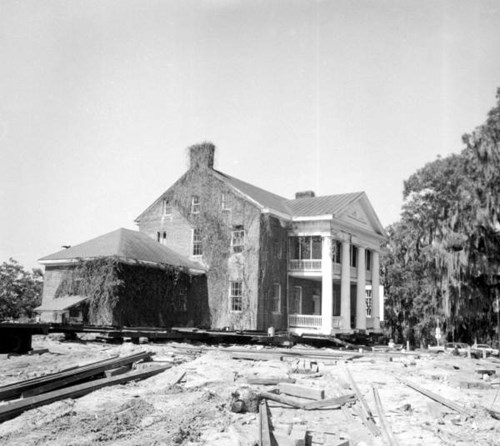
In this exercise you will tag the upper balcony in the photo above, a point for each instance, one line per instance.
(306, 258)
(313, 267)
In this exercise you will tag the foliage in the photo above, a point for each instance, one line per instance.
(443, 261)
(98, 279)
(20, 290)
(133, 295)
(215, 225)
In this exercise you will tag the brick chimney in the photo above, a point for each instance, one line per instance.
(305, 194)
(201, 156)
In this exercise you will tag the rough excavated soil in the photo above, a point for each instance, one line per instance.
(196, 410)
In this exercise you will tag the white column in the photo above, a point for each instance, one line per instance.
(375, 266)
(345, 287)
(326, 285)
(361, 291)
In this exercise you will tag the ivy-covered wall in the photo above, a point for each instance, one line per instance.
(123, 294)
(273, 269)
(221, 210)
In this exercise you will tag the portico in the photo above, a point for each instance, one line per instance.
(332, 272)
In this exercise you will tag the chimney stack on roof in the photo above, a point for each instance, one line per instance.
(305, 194)
(202, 156)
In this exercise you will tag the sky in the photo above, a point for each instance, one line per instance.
(100, 99)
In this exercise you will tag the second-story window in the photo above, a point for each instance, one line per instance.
(305, 248)
(167, 209)
(368, 254)
(336, 251)
(195, 204)
(225, 202)
(238, 239)
(197, 243)
(354, 256)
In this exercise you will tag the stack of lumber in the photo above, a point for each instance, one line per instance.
(72, 383)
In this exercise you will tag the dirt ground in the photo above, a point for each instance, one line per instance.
(196, 411)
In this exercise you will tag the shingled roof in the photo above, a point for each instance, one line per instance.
(127, 245)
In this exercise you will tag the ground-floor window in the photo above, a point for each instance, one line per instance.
(197, 243)
(297, 299)
(236, 296)
(276, 298)
(369, 303)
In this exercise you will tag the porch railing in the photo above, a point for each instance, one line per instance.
(312, 321)
(305, 265)
(304, 320)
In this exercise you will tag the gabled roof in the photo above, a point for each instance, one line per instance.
(328, 204)
(127, 245)
(262, 197)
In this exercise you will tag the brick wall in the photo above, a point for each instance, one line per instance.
(226, 266)
(273, 269)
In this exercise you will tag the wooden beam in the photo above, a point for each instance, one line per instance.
(61, 379)
(436, 397)
(264, 430)
(253, 356)
(331, 402)
(297, 404)
(365, 412)
(269, 381)
(389, 436)
(301, 391)
(15, 408)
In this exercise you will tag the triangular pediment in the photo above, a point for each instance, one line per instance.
(361, 214)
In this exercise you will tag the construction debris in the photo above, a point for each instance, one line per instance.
(61, 379)
(387, 432)
(436, 397)
(15, 408)
(264, 428)
(218, 401)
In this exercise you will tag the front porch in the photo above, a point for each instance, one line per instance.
(333, 286)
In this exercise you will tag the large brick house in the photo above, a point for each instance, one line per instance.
(306, 265)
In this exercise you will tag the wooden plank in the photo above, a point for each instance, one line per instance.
(256, 356)
(58, 380)
(297, 404)
(365, 412)
(435, 397)
(264, 430)
(389, 436)
(283, 400)
(117, 371)
(15, 408)
(331, 402)
(301, 391)
(270, 381)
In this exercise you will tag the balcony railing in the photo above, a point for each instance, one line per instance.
(305, 265)
(316, 264)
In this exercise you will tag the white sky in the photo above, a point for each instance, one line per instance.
(99, 99)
